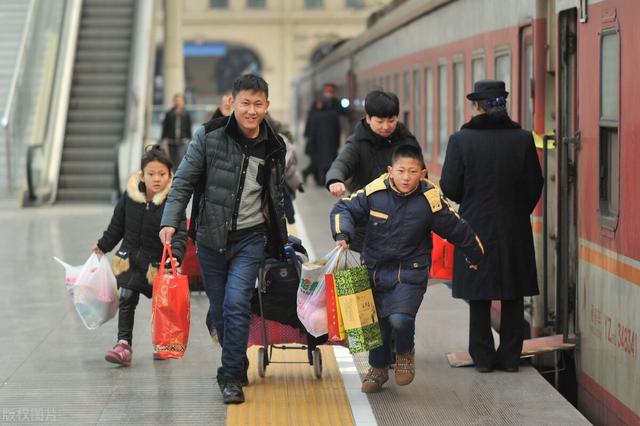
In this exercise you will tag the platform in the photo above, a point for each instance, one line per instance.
(52, 369)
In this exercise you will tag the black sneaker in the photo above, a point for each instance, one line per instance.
(232, 393)
(244, 378)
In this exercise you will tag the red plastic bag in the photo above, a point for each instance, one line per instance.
(334, 315)
(190, 265)
(170, 311)
(441, 259)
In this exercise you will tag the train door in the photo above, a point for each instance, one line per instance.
(568, 149)
(526, 77)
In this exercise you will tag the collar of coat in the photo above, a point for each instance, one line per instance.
(363, 132)
(488, 121)
(135, 192)
(275, 145)
(384, 183)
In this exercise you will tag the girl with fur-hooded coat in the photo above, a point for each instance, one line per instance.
(136, 222)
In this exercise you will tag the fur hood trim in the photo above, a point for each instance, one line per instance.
(134, 192)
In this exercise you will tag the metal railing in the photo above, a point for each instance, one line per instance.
(199, 113)
(17, 80)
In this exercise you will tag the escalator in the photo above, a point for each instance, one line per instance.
(96, 116)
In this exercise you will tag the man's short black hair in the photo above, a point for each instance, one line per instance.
(381, 104)
(250, 82)
(408, 151)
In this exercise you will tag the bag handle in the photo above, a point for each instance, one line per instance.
(165, 250)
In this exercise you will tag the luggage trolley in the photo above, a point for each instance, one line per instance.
(286, 275)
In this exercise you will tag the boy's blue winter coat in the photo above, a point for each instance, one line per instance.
(397, 249)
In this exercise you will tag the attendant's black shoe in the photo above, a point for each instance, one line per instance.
(483, 369)
(508, 369)
(232, 393)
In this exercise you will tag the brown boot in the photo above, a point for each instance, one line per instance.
(375, 378)
(405, 368)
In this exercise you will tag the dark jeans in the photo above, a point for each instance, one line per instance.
(229, 280)
(126, 313)
(481, 344)
(403, 327)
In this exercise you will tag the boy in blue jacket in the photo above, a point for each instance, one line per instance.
(401, 208)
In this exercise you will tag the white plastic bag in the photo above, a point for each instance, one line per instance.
(70, 274)
(311, 302)
(94, 290)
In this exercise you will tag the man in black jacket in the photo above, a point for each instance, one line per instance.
(492, 170)
(176, 131)
(367, 153)
(238, 163)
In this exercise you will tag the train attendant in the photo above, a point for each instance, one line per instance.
(400, 210)
(491, 169)
(367, 153)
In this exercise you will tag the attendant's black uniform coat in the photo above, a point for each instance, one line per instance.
(492, 170)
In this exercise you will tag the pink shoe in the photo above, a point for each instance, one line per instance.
(120, 354)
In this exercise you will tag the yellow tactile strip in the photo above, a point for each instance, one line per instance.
(290, 394)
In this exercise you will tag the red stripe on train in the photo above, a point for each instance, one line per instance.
(600, 406)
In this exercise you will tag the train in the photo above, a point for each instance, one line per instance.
(569, 67)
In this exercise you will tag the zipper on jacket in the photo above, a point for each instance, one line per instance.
(236, 202)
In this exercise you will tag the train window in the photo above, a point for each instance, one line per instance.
(428, 118)
(443, 130)
(256, 4)
(354, 4)
(396, 84)
(406, 100)
(416, 102)
(218, 4)
(609, 119)
(458, 95)
(503, 71)
(387, 84)
(477, 69)
(313, 4)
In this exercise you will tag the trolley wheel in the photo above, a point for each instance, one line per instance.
(262, 361)
(317, 363)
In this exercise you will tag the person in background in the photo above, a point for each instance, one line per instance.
(367, 153)
(400, 210)
(322, 132)
(292, 180)
(492, 170)
(225, 108)
(136, 222)
(236, 167)
(176, 130)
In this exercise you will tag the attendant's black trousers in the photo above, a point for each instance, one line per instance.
(481, 344)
